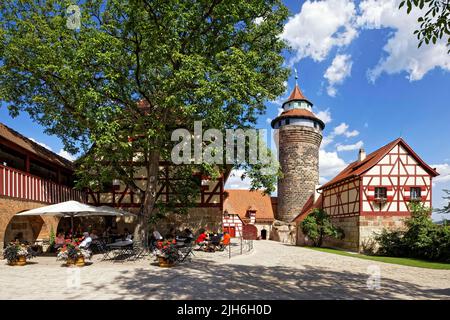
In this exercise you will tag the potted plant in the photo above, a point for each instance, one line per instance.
(73, 254)
(167, 253)
(16, 254)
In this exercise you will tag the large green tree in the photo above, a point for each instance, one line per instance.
(118, 83)
(434, 24)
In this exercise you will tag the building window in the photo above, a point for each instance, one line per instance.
(287, 121)
(380, 193)
(416, 193)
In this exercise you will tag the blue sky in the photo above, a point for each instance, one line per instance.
(359, 64)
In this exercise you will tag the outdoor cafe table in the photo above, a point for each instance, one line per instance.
(122, 246)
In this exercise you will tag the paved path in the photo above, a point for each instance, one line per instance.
(272, 271)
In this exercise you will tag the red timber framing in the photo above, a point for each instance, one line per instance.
(24, 186)
(398, 173)
(211, 194)
(342, 200)
(395, 167)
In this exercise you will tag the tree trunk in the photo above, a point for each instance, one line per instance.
(148, 199)
(320, 241)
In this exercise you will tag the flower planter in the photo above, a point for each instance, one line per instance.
(79, 262)
(21, 261)
(163, 262)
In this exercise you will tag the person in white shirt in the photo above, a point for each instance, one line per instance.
(87, 240)
(157, 235)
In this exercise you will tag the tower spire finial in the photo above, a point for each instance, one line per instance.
(296, 76)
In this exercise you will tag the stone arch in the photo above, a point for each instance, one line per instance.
(40, 226)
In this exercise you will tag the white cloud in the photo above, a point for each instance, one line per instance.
(41, 144)
(349, 147)
(325, 116)
(401, 48)
(326, 140)
(268, 120)
(63, 153)
(330, 164)
(444, 173)
(342, 129)
(336, 73)
(234, 181)
(320, 26)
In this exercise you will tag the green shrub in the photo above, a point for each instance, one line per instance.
(421, 239)
(317, 226)
(391, 243)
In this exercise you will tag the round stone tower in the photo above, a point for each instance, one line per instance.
(299, 134)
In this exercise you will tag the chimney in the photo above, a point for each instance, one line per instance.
(362, 155)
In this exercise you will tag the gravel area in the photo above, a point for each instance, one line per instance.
(271, 271)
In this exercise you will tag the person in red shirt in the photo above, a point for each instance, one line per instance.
(202, 237)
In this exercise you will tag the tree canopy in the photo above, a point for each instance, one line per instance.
(131, 72)
(434, 23)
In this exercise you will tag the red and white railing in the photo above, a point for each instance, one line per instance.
(18, 184)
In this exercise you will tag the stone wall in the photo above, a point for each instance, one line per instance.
(34, 227)
(370, 225)
(265, 226)
(350, 225)
(194, 219)
(299, 160)
(284, 232)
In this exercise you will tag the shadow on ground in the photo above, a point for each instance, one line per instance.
(208, 280)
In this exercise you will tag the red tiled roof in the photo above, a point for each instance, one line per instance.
(298, 113)
(357, 168)
(239, 201)
(34, 148)
(296, 94)
(308, 207)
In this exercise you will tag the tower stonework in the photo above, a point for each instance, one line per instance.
(299, 134)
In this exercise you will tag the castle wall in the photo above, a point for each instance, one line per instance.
(369, 226)
(32, 228)
(299, 160)
(350, 226)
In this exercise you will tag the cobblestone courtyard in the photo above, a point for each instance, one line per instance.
(271, 271)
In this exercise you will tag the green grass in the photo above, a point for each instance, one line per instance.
(410, 262)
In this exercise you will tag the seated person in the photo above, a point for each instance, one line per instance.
(107, 232)
(156, 235)
(59, 240)
(127, 235)
(202, 239)
(93, 235)
(187, 233)
(86, 242)
(226, 239)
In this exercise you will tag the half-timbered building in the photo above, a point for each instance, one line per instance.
(243, 207)
(374, 192)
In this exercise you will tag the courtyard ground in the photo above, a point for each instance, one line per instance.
(271, 271)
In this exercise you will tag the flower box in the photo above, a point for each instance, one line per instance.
(164, 262)
(16, 254)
